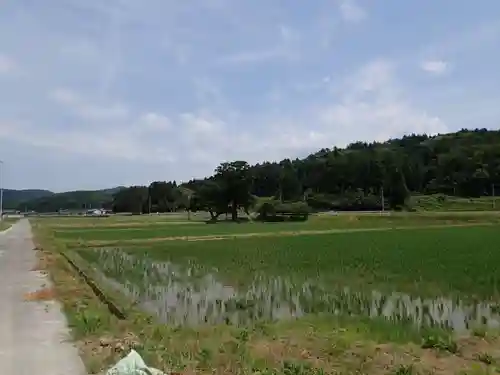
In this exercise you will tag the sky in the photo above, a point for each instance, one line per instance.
(101, 93)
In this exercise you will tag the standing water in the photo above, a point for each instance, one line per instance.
(189, 295)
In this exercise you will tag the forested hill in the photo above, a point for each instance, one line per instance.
(13, 198)
(51, 202)
(466, 163)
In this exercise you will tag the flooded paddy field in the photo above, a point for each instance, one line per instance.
(445, 278)
(420, 300)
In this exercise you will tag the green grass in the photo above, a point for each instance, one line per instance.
(104, 233)
(422, 262)
(441, 202)
(460, 261)
(440, 260)
(6, 223)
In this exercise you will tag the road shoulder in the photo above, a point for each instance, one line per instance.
(34, 331)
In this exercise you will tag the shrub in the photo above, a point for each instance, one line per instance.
(277, 211)
(349, 201)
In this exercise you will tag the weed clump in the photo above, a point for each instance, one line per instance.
(486, 358)
(439, 343)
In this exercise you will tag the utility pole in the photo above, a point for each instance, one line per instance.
(1, 190)
(382, 198)
(493, 195)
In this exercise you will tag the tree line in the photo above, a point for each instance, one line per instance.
(362, 176)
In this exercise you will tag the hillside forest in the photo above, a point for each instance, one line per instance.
(463, 164)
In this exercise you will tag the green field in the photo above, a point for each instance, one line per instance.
(317, 223)
(440, 202)
(322, 293)
(442, 260)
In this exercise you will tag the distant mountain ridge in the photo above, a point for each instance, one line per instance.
(12, 198)
(48, 201)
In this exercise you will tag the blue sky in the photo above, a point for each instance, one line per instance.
(99, 93)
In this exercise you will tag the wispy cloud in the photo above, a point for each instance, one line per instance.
(87, 110)
(436, 67)
(351, 11)
(122, 145)
(372, 104)
(257, 56)
(155, 122)
(113, 53)
(7, 64)
(286, 46)
(467, 40)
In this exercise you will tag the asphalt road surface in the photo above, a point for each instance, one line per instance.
(34, 338)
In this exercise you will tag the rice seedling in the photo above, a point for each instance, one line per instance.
(190, 294)
(104, 233)
(439, 263)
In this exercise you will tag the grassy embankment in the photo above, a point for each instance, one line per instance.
(6, 223)
(440, 202)
(310, 270)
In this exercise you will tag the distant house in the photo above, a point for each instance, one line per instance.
(95, 212)
(10, 213)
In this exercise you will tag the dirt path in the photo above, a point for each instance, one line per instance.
(33, 335)
(221, 237)
(132, 225)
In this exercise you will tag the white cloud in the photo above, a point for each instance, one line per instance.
(81, 49)
(88, 110)
(64, 96)
(122, 144)
(436, 67)
(155, 122)
(351, 11)
(7, 64)
(201, 126)
(289, 35)
(368, 104)
(111, 112)
(286, 47)
(257, 56)
(468, 39)
(373, 106)
(375, 75)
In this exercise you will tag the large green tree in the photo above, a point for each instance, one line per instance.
(235, 181)
(210, 196)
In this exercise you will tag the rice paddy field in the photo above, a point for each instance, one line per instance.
(352, 293)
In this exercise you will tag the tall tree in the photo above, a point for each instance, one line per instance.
(236, 181)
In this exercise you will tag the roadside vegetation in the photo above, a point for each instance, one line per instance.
(6, 223)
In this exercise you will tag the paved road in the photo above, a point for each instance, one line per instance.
(33, 335)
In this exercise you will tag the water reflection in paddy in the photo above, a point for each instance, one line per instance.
(191, 295)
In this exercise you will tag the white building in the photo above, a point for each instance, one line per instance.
(95, 212)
